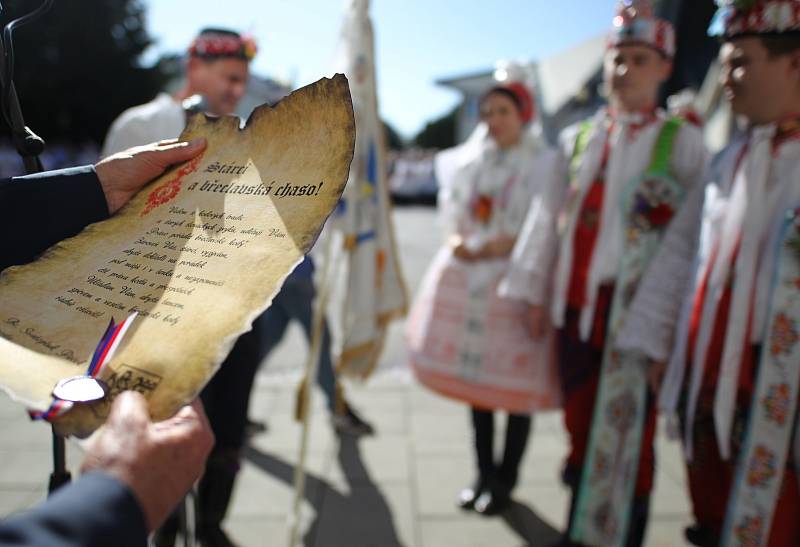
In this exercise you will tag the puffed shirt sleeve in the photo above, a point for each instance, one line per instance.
(536, 249)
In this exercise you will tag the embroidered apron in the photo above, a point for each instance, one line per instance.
(464, 340)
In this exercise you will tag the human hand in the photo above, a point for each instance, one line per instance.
(125, 173)
(460, 250)
(537, 321)
(499, 247)
(160, 461)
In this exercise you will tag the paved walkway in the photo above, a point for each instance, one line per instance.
(396, 488)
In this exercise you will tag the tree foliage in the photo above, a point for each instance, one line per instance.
(440, 133)
(393, 139)
(77, 67)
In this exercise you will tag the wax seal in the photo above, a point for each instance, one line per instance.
(80, 389)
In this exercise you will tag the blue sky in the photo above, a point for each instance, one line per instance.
(417, 41)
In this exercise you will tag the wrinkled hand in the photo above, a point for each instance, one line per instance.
(655, 375)
(159, 461)
(125, 173)
(537, 321)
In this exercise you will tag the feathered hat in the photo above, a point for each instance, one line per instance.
(636, 24)
(742, 17)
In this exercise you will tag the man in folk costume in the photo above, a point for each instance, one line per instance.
(734, 357)
(587, 244)
(217, 71)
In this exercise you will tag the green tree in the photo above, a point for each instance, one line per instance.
(77, 67)
(393, 139)
(440, 133)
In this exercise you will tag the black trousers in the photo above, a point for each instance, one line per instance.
(506, 473)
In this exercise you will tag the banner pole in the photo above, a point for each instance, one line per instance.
(311, 367)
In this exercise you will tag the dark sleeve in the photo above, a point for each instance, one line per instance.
(94, 511)
(37, 211)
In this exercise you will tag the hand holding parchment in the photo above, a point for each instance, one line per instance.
(196, 254)
(125, 173)
(159, 461)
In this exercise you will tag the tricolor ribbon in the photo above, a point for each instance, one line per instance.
(103, 354)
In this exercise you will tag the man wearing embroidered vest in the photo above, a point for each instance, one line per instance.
(722, 299)
(631, 167)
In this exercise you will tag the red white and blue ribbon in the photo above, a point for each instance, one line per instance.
(102, 355)
(108, 345)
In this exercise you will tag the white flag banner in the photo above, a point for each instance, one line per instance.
(376, 291)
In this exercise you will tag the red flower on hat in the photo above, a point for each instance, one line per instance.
(224, 45)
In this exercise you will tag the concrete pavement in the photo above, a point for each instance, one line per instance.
(396, 488)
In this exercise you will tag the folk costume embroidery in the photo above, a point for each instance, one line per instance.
(606, 490)
(466, 342)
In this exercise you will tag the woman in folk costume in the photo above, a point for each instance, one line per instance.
(631, 167)
(465, 341)
(732, 342)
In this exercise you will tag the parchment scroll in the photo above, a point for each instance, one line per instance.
(199, 253)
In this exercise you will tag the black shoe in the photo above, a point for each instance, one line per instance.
(350, 423)
(700, 536)
(468, 496)
(253, 427)
(492, 502)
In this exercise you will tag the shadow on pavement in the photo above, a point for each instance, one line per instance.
(359, 516)
(529, 526)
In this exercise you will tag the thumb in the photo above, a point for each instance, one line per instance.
(129, 411)
(180, 152)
